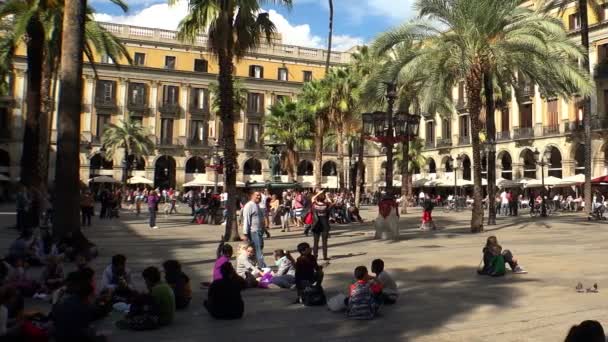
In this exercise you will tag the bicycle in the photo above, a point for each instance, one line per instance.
(451, 206)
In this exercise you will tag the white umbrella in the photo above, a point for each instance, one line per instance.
(139, 180)
(103, 179)
(199, 180)
(238, 184)
(507, 183)
(447, 183)
(580, 178)
(548, 181)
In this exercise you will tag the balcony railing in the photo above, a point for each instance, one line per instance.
(195, 110)
(461, 106)
(196, 142)
(108, 104)
(429, 144)
(166, 141)
(599, 123)
(444, 142)
(503, 136)
(523, 132)
(169, 108)
(464, 140)
(141, 107)
(601, 70)
(256, 145)
(573, 126)
(550, 130)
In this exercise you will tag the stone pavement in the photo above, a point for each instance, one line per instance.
(442, 298)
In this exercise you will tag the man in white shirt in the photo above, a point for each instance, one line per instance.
(265, 196)
(504, 203)
(421, 197)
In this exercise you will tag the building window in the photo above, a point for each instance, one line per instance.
(139, 59)
(137, 94)
(200, 99)
(604, 12)
(255, 103)
(446, 127)
(138, 120)
(170, 62)
(166, 131)
(461, 93)
(525, 116)
(281, 98)
(552, 113)
(200, 65)
(197, 131)
(574, 21)
(253, 134)
(283, 75)
(307, 75)
(464, 126)
(256, 71)
(430, 131)
(103, 121)
(170, 94)
(105, 92)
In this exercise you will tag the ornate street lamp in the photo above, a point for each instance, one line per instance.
(542, 161)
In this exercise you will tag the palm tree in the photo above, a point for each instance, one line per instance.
(67, 217)
(484, 36)
(415, 160)
(234, 27)
(240, 98)
(130, 136)
(581, 6)
(292, 126)
(314, 98)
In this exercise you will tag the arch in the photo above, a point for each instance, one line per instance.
(164, 172)
(329, 169)
(5, 162)
(466, 167)
(528, 162)
(447, 164)
(579, 159)
(137, 164)
(252, 167)
(195, 164)
(506, 162)
(555, 162)
(432, 165)
(98, 163)
(305, 168)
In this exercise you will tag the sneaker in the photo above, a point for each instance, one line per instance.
(519, 270)
(155, 227)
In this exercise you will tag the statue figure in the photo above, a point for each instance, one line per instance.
(275, 163)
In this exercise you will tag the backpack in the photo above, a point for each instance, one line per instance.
(314, 296)
(361, 304)
(497, 266)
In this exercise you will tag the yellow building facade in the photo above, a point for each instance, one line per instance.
(167, 90)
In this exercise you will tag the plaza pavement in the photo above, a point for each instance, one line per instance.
(442, 298)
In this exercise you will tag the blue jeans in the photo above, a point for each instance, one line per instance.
(152, 212)
(257, 238)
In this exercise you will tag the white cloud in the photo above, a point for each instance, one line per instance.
(394, 9)
(168, 17)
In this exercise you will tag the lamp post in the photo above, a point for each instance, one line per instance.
(490, 149)
(215, 157)
(456, 162)
(542, 161)
(390, 129)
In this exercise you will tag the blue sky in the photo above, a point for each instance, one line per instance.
(355, 21)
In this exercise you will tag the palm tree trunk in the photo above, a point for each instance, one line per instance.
(67, 218)
(474, 83)
(405, 176)
(582, 5)
(35, 58)
(227, 115)
(330, 35)
(491, 132)
(319, 151)
(340, 158)
(360, 172)
(44, 129)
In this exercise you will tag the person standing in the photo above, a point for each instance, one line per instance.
(265, 208)
(320, 227)
(421, 198)
(253, 226)
(504, 203)
(23, 205)
(153, 200)
(173, 201)
(86, 207)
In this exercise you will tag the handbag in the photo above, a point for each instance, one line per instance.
(314, 296)
(308, 219)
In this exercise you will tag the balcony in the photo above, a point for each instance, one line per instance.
(444, 142)
(503, 136)
(523, 132)
(461, 106)
(550, 130)
(253, 145)
(253, 113)
(429, 144)
(106, 105)
(464, 140)
(599, 123)
(169, 109)
(166, 142)
(600, 71)
(197, 143)
(195, 110)
(139, 107)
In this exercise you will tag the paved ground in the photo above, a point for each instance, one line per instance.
(442, 299)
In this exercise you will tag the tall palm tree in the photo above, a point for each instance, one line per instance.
(289, 124)
(314, 98)
(415, 160)
(67, 218)
(131, 136)
(488, 36)
(582, 8)
(234, 27)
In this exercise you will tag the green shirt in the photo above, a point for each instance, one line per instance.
(164, 298)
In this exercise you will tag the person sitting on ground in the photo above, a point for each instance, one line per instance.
(52, 276)
(152, 310)
(224, 298)
(45, 246)
(247, 265)
(224, 255)
(23, 248)
(587, 331)
(363, 300)
(20, 279)
(179, 282)
(116, 279)
(308, 272)
(494, 259)
(285, 275)
(10, 329)
(389, 286)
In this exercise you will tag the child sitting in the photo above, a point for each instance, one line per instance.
(116, 279)
(52, 275)
(363, 302)
(247, 265)
(389, 287)
(308, 272)
(285, 275)
(179, 282)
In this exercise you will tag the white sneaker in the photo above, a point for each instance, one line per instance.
(519, 270)
(155, 227)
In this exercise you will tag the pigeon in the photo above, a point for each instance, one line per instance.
(593, 289)
(579, 287)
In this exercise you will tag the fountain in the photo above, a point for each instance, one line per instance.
(274, 163)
